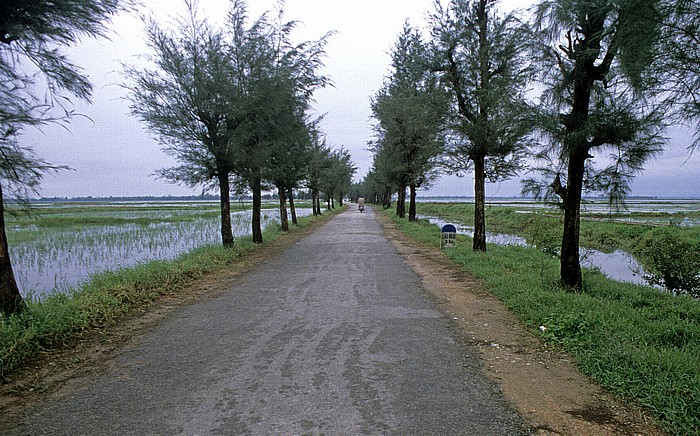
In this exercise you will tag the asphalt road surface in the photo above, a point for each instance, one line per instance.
(334, 336)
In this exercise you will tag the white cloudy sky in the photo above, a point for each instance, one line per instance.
(111, 154)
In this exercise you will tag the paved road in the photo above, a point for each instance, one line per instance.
(335, 336)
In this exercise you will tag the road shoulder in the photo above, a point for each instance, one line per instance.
(544, 385)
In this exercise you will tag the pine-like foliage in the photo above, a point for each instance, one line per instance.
(598, 122)
(36, 82)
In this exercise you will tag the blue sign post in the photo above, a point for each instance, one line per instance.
(448, 236)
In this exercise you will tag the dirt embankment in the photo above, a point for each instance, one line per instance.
(542, 384)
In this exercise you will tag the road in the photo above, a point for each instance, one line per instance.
(333, 336)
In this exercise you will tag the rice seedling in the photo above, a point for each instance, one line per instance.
(62, 247)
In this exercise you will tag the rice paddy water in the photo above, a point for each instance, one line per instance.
(48, 258)
(618, 265)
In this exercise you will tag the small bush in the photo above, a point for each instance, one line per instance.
(672, 260)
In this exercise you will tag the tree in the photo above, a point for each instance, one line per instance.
(185, 99)
(409, 111)
(387, 172)
(318, 165)
(338, 177)
(679, 53)
(280, 80)
(31, 35)
(288, 163)
(594, 57)
(377, 187)
(479, 55)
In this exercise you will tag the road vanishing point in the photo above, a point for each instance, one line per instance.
(333, 336)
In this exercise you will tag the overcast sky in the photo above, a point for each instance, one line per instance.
(111, 154)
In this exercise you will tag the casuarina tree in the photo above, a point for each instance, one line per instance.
(597, 103)
(409, 111)
(32, 34)
(279, 78)
(184, 98)
(678, 58)
(480, 56)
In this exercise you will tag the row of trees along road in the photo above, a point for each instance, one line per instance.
(496, 94)
(230, 104)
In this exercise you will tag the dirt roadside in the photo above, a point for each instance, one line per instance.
(542, 384)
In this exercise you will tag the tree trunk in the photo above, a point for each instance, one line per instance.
(386, 199)
(292, 208)
(225, 202)
(401, 202)
(317, 202)
(328, 202)
(412, 203)
(583, 75)
(479, 205)
(256, 187)
(284, 223)
(10, 298)
(571, 277)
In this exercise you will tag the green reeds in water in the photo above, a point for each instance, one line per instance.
(62, 248)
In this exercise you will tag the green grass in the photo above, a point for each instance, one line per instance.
(106, 297)
(638, 343)
(72, 217)
(544, 226)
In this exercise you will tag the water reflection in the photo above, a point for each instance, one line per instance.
(58, 259)
(618, 265)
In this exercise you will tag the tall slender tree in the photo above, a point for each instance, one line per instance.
(281, 78)
(318, 165)
(410, 112)
(340, 174)
(594, 57)
(480, 56)
(678, 57)
(32, 35)
(184, 99)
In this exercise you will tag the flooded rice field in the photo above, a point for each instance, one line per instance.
(653, 211)
(48, 257)
(618, 265)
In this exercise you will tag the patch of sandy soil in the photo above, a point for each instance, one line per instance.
(542, 384)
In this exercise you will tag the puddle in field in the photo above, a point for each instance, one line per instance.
(60, 259)
(618, 265)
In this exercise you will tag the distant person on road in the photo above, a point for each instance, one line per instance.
(361, 204)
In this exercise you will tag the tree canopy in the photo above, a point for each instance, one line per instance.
(230, 103)
(479, 55)
(409, 110)
(37, 81)
(594, 59)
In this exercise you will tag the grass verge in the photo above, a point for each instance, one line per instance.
(638, 343)
(107, 297)
(544, 227)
